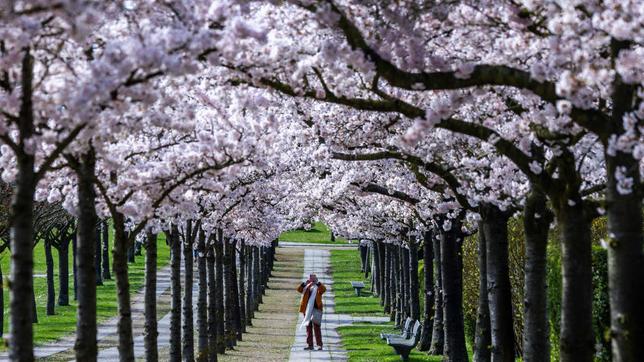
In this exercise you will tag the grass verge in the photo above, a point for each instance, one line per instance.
(51, 328)
(318, 234)
(345, 268)
(362, 342)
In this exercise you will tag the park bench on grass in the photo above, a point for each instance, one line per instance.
(357, 286)
(403, 346)
(405, 331)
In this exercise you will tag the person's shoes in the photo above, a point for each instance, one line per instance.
(309, 348)
(319, 348)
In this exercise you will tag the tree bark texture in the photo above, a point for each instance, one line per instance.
(202, 300)
(51, 291)
(499, 289)
(106, 250)
(175, 295)
(213, 314)
(482, 337)
(452, 275)
(428, 280)
(536, 221)
(219, 288)
(151, 328)
(188, 280)
(85, 346)
(120, 267)
(63, 269)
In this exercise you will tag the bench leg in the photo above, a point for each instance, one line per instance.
(404, 354)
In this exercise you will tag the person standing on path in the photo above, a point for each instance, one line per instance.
(311, 307)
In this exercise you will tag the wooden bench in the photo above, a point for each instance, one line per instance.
(357, 286)
(403, 346)
(405, 330)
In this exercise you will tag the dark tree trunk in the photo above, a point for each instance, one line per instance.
(242, 289)
(428, 276)
(375, 273)
(106, 250)
(202, 301)
(85, 346)
(213, 305)
(63, 269)
(51, 291)
(21, 347)
(250, 296)
(363, 257)
(219, 288)
(438, 330)
(395, 275)
(482, 338)
(188, 280)
(256, 277)
(131, 255)
(495, 228)
(577, 342)
(234, 286)
(383, 274)
(389, 286)
(404, 277)
(625, 260)
(74, 272)
(98, 257)
(120, 267)
(451, 258)
(414, 303)
(536, 221)
(151, 330)
(624, 209)
(175, 291)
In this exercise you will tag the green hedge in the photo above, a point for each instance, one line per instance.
(601, 317)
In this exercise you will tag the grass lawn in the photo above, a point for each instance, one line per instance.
(51, 328)
(319, 234)
(345, 268)
(363, 343)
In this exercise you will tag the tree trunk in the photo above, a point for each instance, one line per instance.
(98, 256)
(414, 303)
(63, 269)
(438, 331)
(51, 292)
(151, 330)
(404, 277)
(175, 291)
(451, 244)
(375, 273)
(202, 300)
(363, 257)
(219, 288)
(625, 260)
(106, 250)
(21, 347)
(242, 289)
(120, 267)
(383, 275)
(536, 221)
(482, 338)
(188, 320)
(577, 342)
(395, 289)
(495, 228)
(213, 305)
(250, 297)
(236, 311)
(85, 346)
(428, 280)
(74, 272)
(130, 254)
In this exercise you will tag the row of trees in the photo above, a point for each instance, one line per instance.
(255, 116)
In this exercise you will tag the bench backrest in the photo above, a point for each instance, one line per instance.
(407, 327)
(415, 334)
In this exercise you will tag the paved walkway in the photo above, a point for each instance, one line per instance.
(106, 330)
(317, 261)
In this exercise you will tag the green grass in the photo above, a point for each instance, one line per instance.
(345, 268)
(362, 342)
(318, 234)
(51, 328)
